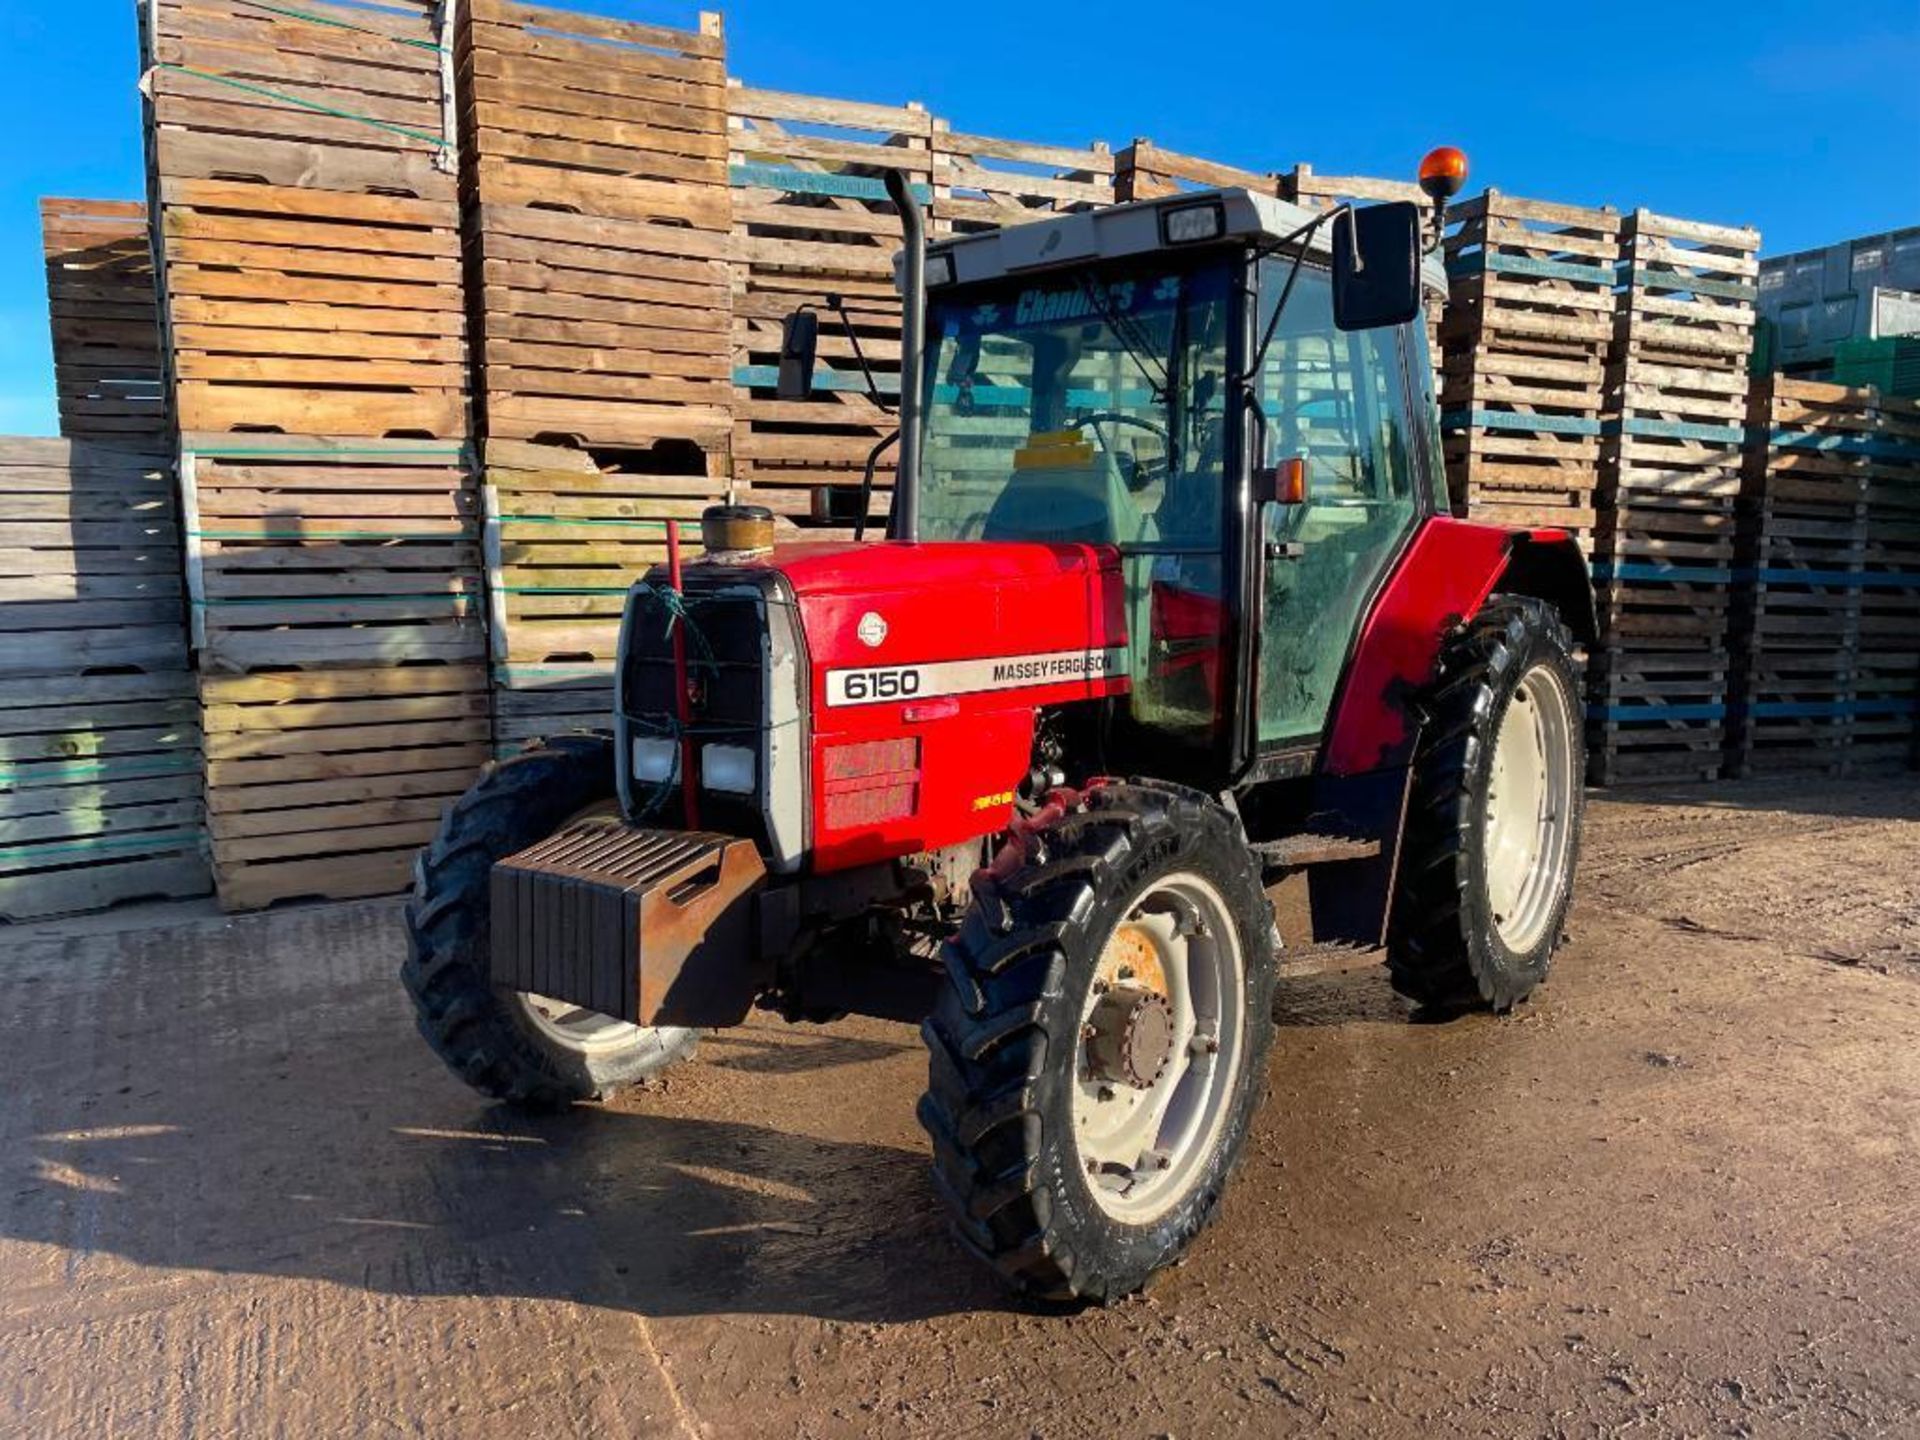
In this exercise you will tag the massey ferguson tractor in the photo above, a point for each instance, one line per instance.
(1172, 655)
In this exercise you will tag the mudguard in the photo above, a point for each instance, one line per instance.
(1442, 579)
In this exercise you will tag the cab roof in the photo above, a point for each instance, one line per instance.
(1131, 229)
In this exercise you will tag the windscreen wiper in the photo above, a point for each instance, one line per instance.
(1130, 337)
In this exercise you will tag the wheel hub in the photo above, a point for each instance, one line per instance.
(1130, 1037)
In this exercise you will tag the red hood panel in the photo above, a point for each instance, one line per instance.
(952, 600)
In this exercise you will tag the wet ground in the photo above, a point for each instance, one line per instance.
(1678, 1194)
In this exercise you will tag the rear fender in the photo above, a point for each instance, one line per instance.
(1442, 580)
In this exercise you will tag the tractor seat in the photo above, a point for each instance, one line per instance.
(1065, 493)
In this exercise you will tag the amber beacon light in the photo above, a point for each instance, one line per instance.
(1443, 172)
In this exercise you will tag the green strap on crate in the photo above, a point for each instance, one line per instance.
(141, 767)
(561, 589)
(1507, 420)
(813, 182)
(438, 141)
(338, 24)
(276, 600)
(456, 453)
(1822, 709)
(1707, 574)
(1843, 579)
(451, 539)
(93, 845)
(1656, 712)
(509, 519)
(1600, 272)
(1695, 284)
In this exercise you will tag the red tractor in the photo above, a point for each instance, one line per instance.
(1169, 506)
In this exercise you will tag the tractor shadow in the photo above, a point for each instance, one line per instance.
(218, 1108)
(247, 1096)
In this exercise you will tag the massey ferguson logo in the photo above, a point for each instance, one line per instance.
(870, 686)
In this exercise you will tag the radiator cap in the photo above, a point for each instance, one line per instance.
(736, 529)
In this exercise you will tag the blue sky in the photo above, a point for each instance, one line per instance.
(1798, 118)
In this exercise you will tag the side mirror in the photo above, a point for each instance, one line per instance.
(799, 343)
(1376, 266)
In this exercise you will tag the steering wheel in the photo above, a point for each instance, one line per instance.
(1114, 417)
(1135, 478)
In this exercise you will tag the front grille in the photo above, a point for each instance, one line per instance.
(743, 668)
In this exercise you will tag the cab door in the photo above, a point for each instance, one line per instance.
(1342, 402)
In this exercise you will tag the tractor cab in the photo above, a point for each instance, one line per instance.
(1232, 393)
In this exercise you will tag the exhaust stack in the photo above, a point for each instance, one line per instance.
(913, 324)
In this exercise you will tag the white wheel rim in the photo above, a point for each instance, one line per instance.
(1529, 808)
(1142, 1150)
(584, 1031)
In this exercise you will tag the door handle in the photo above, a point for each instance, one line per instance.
(1285, 550)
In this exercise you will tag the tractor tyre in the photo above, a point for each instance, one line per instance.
(1493, 820)
(1098, 1048)
(513, 1046)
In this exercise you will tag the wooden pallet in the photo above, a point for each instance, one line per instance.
(313, 312)
(89, 559)
(99, 742)
(323, 784)
(812, 220)
(1656, 715)
(1677, 374)
(106, 334)
(1303, 185)
(316, 96)
(594, 165)
(1526, 331)
(1144, 171)
(1833, 712)
(566, 538)
(981, 183)
(300, 162)
(313, 551)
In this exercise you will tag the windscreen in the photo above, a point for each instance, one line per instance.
(1080, 405)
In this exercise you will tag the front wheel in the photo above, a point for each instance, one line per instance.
(1098, 1052)
(1493, 821)
(509, 1044)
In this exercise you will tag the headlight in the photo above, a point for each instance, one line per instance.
(1185, 224)
(728, 768)
(654, 759)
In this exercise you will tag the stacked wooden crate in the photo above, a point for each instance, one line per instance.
(1671, 460)
(301, 165)
(99, 736)
(599, 217)
(1144, 171)
(1827, 617)
(1528, 324)
(566, 537)
(106, 334)
(595, 174)
(811, 220)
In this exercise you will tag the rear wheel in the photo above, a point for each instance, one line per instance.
(515, 1046)
(1098, 1052)
(1493, 823)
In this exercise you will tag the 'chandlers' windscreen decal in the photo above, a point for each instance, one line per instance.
(874, 685)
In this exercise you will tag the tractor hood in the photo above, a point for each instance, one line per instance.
(896, 603)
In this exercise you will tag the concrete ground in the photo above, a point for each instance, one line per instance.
(1674, 1195)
